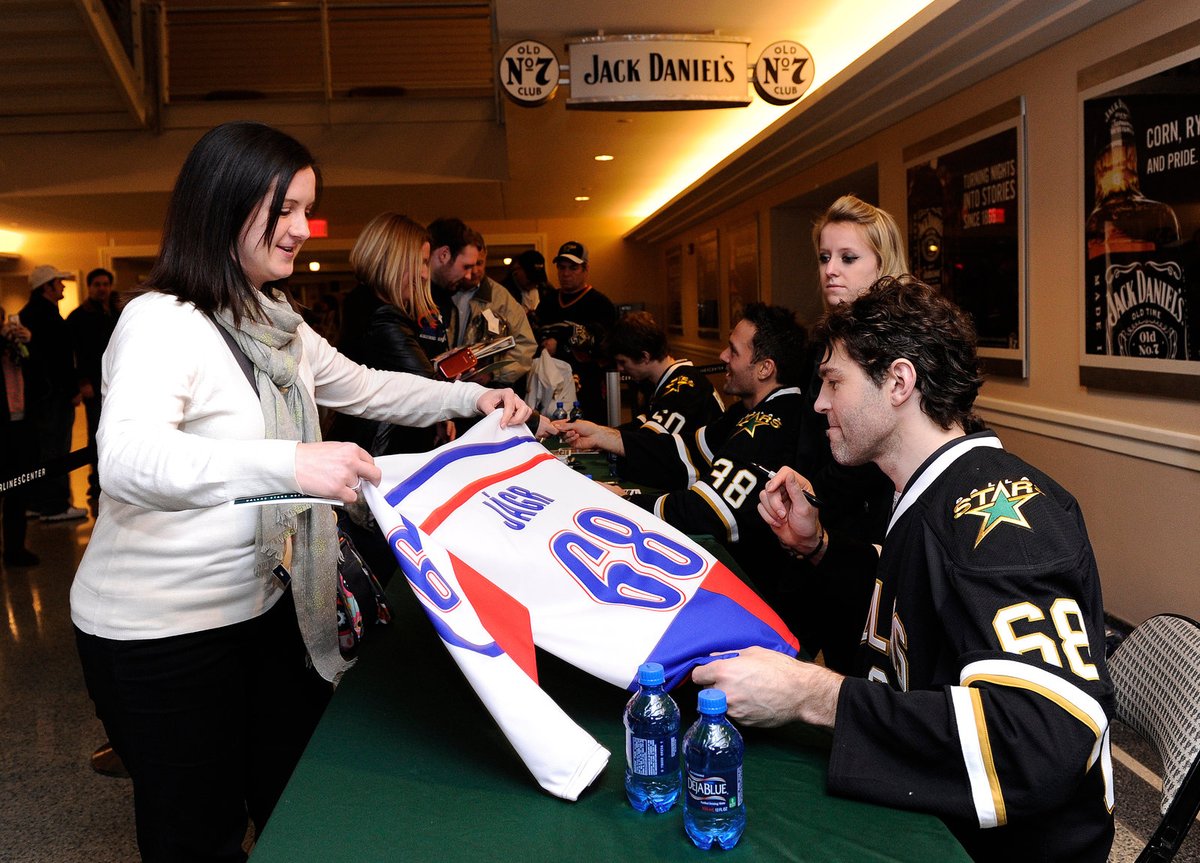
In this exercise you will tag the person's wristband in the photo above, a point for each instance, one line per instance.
(817, 549)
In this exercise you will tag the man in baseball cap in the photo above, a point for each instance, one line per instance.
(46, 273)
(577, 302)
(572, 251)
(51, 390)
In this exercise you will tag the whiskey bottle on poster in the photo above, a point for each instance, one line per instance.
(1136, 300)
(926, 217)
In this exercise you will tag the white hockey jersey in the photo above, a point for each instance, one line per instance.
(506, 547)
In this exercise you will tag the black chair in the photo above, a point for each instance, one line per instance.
(1156, 672)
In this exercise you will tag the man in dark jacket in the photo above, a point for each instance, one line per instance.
(91, 327)
(51, 390)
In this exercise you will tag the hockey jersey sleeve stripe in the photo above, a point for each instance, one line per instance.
(977, 757)
(653, 426)
(1066, 695)
(468, 491)
(1072, 699)
(1063, 693)
(702, 444)
(685, 458)
(709, 496)
(443, 459)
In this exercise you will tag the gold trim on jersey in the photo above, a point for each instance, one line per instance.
(989, 763)
(710, 497)
(1058, 691)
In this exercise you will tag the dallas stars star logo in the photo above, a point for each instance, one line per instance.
(676, 384)
(751, 423)
(998, 504)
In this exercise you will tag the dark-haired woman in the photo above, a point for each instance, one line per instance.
(207, 630)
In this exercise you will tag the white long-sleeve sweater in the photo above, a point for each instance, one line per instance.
(181, 436)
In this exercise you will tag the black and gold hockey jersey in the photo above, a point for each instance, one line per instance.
(985, 639)
(715, 474)
(683, 401)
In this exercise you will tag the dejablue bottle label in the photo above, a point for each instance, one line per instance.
(715, 792)
(652, 756)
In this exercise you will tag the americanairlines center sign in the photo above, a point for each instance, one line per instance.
(656, 72)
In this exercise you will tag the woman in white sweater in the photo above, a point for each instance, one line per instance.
(203, 626)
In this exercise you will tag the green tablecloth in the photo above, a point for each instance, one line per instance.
(408, 765)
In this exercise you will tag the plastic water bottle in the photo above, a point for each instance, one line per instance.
(555, 441)
(576, 412)
(713, 810)
(652, 775)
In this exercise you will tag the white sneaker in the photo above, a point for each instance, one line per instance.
(71, 513)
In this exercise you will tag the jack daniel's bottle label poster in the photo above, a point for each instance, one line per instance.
(1141, 205)
(964, 226)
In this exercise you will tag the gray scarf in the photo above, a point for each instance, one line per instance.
(289, 413)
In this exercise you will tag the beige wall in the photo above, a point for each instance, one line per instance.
(1133, 461)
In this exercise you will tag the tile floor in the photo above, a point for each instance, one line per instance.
(55, 809)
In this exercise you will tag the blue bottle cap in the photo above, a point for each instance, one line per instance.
(711, 702)
(651, 674)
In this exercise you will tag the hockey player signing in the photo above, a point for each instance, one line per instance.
(981, 692)
(506, 548)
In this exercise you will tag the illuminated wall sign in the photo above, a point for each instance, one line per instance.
(783, 72)
(658, 73)
(529, 72)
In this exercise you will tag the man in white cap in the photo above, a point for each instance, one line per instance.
(51, 390)
(578, 302)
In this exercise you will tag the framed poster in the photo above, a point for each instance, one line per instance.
(1140, 219)
(742, 255)
(966, 228)
(708, 286)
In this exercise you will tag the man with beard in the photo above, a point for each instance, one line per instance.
(981, 693)
(713, 475)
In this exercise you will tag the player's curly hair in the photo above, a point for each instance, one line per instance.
(903, 318)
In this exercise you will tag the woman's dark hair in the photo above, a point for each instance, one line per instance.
(778, 337)
(903, 318)
(225, 177)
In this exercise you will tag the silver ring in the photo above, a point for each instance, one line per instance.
(357, 484)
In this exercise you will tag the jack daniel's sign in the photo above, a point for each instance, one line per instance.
(656, 72)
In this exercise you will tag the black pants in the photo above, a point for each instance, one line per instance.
(91, 408)
(210, 726)
(52, 419)
(18, 453)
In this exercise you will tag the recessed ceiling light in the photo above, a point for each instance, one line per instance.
(582, 197)
(604, 157)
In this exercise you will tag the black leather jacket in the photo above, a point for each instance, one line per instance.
(381, 336)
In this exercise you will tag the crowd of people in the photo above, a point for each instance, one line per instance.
(944, 591)
(51, 365)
